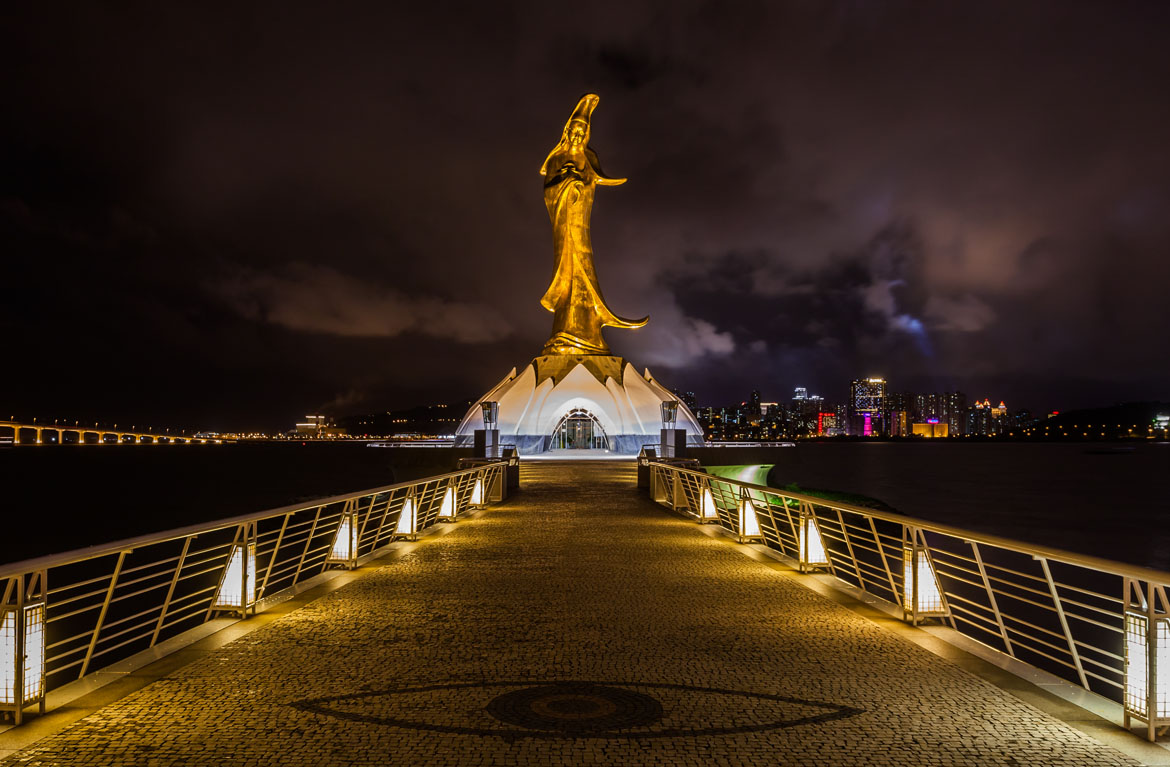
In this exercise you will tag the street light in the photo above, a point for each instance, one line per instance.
(708, 511)
(407, 520)
(1147, 657)
(749, 524)
(810, 549)
(345, 543)
(447, 507)
(921, 595)
(22, 657)
(237, 590)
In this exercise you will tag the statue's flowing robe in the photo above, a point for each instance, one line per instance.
(574, 296)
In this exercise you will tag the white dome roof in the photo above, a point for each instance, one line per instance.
(535, 401)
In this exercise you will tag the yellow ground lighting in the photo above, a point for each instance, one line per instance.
(345, 545)
(447, 508)
(238, 590)
(811, 549)
(407, 520)
(921, 595)
(708, 513)
(749, 524)
(1147, 699)
(31, 679)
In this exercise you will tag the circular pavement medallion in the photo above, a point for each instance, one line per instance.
(575, 707)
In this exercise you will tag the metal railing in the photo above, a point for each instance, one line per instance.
(1075, 616)
(72, 613)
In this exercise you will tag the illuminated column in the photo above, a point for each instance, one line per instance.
(679, 498)
(749, 524)
(16, 435)
(345, 543)
(407, 527)
(810, 547)
(237, 589)
(921, 595)
(1147, 656)
(477, 501)
(708, 512)
(22, 644)
(40, 437)
(60, 436)
(447, 510)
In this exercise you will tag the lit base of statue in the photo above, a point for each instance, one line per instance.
(580, 405)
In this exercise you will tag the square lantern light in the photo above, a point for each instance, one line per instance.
(669, 409)
(22, 657)
(491, 414)
(708, 512)
(810, 548)
(447, 509)
(345, 545)
(921, 595)
(238, 590)
(749, 523)
(1147, 663)
(407, 520)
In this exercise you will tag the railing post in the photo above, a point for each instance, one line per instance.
(171, 590)
(102, 615)
(1072, 645)
(1007, 642)
(272, 559)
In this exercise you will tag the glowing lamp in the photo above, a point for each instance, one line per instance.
(476, 501)
(810, 549)
(921, 595)
(708, 512)
(1147, 670)
(345, 544)
(238, 589)
(22, 657)
(749, 524)
(407, 520)
(447, 507)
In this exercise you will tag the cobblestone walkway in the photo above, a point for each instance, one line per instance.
(576, 624)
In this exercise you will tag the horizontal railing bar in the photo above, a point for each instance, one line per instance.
(114, 547)
(1068, 557)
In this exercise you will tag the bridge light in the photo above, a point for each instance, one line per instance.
(921, 595)
(477, 494)
(709, 512)
(345, 544)
(810, 551)
(749, 524)
(447, 508)
(238, 589)
(407, 519)
(22, 657)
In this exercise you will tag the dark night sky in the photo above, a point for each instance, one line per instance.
(227, 218)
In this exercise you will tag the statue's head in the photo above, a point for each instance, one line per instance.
(577, 128)
(575, 137)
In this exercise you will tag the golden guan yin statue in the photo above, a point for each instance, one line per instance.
(572, 173)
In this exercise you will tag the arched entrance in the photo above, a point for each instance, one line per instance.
(579, 430)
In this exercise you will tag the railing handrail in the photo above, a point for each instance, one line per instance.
(1084, 560)
(129, 544)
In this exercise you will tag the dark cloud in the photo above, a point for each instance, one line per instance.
(287, 207)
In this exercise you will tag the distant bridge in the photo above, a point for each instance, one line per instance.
(55, 435)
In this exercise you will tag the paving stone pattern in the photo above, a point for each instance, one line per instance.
(575, 601)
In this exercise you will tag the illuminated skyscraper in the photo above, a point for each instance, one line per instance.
(867, 403)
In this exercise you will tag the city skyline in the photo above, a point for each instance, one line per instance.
(225, 225)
